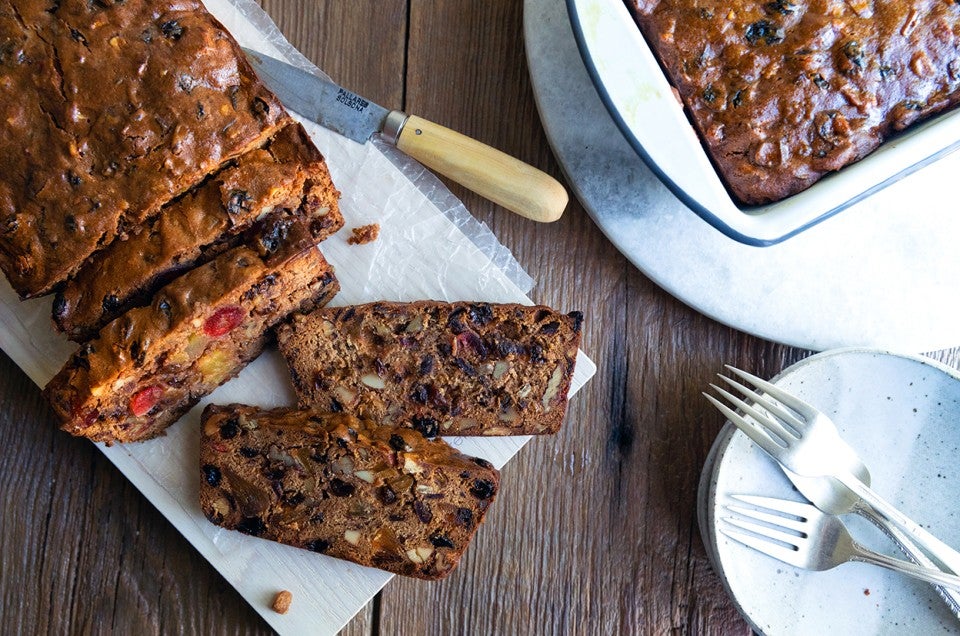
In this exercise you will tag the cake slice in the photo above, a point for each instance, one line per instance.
(269, 188)
(440, 368)
(107, 111)
(152, 364)
(348, 488)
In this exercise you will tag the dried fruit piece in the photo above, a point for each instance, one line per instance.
(223, 321)
(144, 400)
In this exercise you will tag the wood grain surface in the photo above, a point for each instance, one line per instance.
(594, 531)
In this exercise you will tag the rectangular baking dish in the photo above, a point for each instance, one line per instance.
(642, 102)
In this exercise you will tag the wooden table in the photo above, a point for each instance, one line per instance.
(595, 529)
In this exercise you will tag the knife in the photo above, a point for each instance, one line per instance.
(494, 175)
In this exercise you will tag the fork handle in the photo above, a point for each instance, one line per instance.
(946, 558)
(930, 575)
(907, 546)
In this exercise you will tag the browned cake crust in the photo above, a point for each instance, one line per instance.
(440, 368)
(784, 92)
(107, 110)
(270, 187)
(152, 364)
(348, 488)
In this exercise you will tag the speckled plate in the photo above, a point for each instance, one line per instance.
(902, 415)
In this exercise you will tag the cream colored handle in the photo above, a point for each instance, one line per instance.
(492, 174)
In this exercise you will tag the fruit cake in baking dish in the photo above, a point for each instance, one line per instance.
(783, 92)
(440, 368)
(268, 189)
(150, 365)
(352, 489)
(108, 109)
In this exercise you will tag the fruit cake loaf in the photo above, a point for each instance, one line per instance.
(441, 368)
(349, 488)
(784, 92)
(108, 110)
(287, 179)
(153, 363)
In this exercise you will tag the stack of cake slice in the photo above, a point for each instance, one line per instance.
(162, 191)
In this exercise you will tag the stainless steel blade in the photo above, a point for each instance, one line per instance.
(319, 99)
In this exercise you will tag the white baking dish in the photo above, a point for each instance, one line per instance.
(640, 99)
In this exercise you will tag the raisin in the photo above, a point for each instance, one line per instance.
(550, 328)
(335, 406)
(59, 305)
(138, 353)
(253, 526)
(465, 516)
(427, 426)
(536, 354)
(507, 347)
(783, 7)
(577, 320)
(763, 30)
(348, 314)
(164, 306)
(397, 443)
(419, 394)
(317, 545)
(466, 367)
(482, 489)
(441, 540)
(455, 321)
(73, 178)
(481, 314)
(211, 475)
(273, 234)
(110, 303)
(709, 94)
(341, 488)
(479, 461)
(293, 498)
(706, 14)
(260, 108)
(10, 224)
(423, 512)
(76, 36)
(201, 112)
(543, 314)
(737, 98)
(317, 518)
(238, 201)
(171, 30)
(469, 341)
(819, 81)
(230, 428)
(386, 495)
(426, 365)
(444, 349)
(248, 452)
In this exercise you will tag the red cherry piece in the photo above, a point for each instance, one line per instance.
(144, 400)
(223, 321)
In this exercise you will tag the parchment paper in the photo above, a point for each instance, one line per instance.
(429, 247)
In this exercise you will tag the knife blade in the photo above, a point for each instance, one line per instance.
(495, 175)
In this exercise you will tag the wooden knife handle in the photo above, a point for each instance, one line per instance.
(494, 175)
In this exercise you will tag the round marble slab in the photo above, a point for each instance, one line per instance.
(883, 273)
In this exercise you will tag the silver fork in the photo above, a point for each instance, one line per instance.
(810, 539)
(806, 441)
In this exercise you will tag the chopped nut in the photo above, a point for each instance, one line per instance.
(221, 506)
(500, 368)
(364, 234)
(426, 489)
(419, 555)
(352, 537)
(411, 466)
(415, 326)
(344, 395)
(281, 602)
(552, 386)
(365, 475)
(524, 391)
(373, 381)
(509, 415)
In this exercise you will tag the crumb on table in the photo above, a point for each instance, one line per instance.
(281, 602)
(364, 234)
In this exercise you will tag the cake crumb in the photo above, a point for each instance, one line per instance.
(281, 602)
(364, 234)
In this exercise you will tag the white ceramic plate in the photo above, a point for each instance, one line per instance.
(639, 97)
(902, 415)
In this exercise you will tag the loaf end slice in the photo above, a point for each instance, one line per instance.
(348, 488)
(152, 364)
(440, 368)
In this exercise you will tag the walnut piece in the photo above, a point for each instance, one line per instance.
(281, 602)
(364, 234)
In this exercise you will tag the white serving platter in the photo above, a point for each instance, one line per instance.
(638, 95)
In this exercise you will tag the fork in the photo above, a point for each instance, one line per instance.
(803, 536)
(807, 442)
